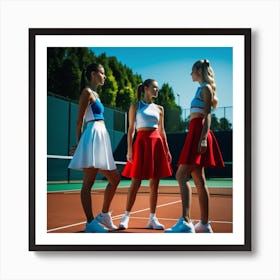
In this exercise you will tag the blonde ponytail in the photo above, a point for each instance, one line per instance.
(208, 76)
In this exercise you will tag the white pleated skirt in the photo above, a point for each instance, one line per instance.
(94, 149)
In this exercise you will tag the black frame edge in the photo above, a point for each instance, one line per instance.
(246, 32)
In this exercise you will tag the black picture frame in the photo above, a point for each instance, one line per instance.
(34, 166)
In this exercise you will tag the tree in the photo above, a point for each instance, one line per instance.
(55, 59)
(173, 112)
(70, 81)
(127, 83)
(166, 96)
(225, 124)
(108, 92)
(65, 66)
(64, 70)
(125, 97)
(215, 126)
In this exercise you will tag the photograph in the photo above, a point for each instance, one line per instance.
(139, 139)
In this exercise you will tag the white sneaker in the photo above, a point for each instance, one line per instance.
(106, 220)
(203, 228)
(181, 226)
(124, 222)
(94, 226)
(154, 224)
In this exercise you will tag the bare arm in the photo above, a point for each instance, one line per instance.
(131, 130)
(163, 134)
(84, 100)
(207, 96)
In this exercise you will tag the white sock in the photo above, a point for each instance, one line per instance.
(127, 213)
(152, 215)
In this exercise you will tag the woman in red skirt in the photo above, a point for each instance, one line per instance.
(149, 156)
(200, 150)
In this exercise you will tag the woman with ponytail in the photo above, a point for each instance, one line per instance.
(200, 150)
(149, 157)
(93, 151)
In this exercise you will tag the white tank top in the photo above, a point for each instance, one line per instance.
(147, 115)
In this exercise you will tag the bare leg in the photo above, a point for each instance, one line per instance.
(203, 193)
(154, 194)
(183, 177)
(113, 177)
(132, 191)
(88, 180)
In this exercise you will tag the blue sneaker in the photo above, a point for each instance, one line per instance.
(94, 226)
(181, 226)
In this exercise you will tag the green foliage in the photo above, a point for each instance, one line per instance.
(64, 70)
(215, 125)
(172, 112)
(108, 92)
(65, 66)
(225, 124)
(166, 96)
(221, 124)
(125, 97)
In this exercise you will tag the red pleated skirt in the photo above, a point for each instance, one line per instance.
(149, 158)
(189, 154)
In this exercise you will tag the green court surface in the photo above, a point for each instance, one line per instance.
(101, 184)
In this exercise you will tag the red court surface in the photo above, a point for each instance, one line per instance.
(65, 213)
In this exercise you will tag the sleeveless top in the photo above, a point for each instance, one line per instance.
(197, 104)
(147, 115)
(95, 110)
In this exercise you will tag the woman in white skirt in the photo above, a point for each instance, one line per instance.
(93, 151)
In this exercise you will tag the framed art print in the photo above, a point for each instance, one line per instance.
(57, 58)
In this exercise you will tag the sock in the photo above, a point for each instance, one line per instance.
(127, 213)
(152, 215)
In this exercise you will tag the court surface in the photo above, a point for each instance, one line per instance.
(65, 213)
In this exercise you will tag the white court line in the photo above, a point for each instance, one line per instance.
(114, 217)
(134, 212)
(169, 219)
(63, 227)
(70, 157)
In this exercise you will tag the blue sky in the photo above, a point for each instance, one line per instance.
(173, 65)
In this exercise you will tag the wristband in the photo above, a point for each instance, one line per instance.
(204, 143)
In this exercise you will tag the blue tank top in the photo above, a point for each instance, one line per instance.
(147, 115)
(95, 110)
(197, 104)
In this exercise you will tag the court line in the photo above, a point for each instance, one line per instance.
(169, 219)
(70, 157)
(64, 227)
(134, 212)
(115, 217)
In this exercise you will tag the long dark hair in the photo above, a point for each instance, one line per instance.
(93, 67)
(141, 86)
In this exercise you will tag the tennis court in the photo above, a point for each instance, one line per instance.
(64, 208)
(65, 213)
